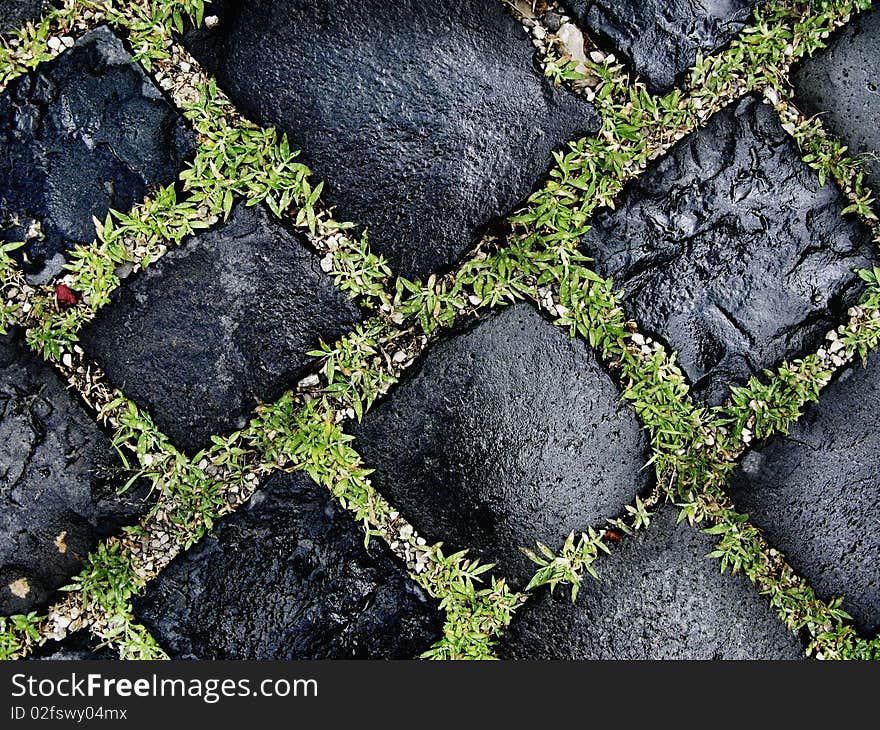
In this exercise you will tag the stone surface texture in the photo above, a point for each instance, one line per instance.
(219, 325)
(840, 83)
(59, 482)
(288, 577)
(816, 493)
(660, 39)
(658, 597)
(85, 133)
(426, 120)
(731, 250)
(509, 432)
(15, 13)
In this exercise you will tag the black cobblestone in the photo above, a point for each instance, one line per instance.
(15, 13)
(83, 134)
(731, 250)
(816, 493)
(660, 39)
(288, 577)
(59, 482)
(841, 84)
(509, 432)
(427, 120)
(658, 597)
(219, 325)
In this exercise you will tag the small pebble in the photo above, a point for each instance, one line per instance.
(552, 21)
(311, 381)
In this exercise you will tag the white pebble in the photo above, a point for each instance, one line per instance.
(311, 381)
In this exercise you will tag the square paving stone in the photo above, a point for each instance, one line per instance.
(660, 39)
(840, 83)
(288, 577)
(59, 482)
(658, 597)
(218, 325)
(15, 13)
(508, 432)
(731, 250)
(816, 493)
(427, 120)
(83, 134)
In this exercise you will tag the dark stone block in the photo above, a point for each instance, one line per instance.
(219, 325)
(427, 120)
(841, 84)
(288, 577)
(659, 597)
(816, 493)
(59, 482)
(509, 432)
(77, 647)
(731, 250)
(83, 134)
(660, 39)
(15, 13)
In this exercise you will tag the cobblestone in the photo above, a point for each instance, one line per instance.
(509, 432)
(14, 13)
(426, 140)
(815, 493)
(660, 39)
(218, 325)
(86, 133)
(658, 597)
(731, 250)
(840, 84)
(59, 482)
(288, 577)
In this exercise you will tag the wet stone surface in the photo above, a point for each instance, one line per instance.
(660, 39)
(840, 83)
(77, 647)
(59, 477)
(219, 325)
(15, 13)
(816, 493)
(427, 120)
(288, 577)
(85, 133)
(658, 597)
(731, 250)
(507, 433)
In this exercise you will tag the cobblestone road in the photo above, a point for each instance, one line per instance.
(343, 329)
